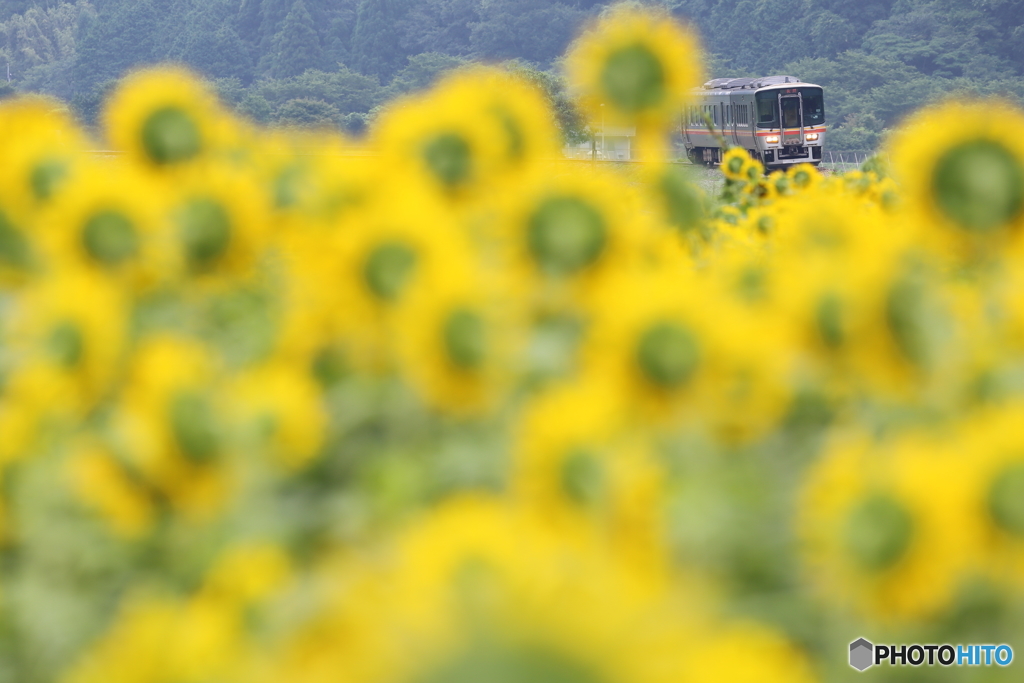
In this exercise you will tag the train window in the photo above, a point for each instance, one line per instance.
(790, 112)
(814, 106)
(767, 109)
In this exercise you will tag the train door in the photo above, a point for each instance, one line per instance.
(791, 110)
(732, 121)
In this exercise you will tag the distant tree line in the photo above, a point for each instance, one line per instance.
(334, 62)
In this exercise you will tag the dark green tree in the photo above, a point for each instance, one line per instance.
(297, 46)
(212, 46)
(309, 113)
(375, 48)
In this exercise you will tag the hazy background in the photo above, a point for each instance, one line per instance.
(316, 62)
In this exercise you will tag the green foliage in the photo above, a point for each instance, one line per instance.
(878, 59)
(375, 38)
(297, 45)
(308, 113)
(422, 71)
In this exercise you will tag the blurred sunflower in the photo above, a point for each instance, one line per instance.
(108, 219)
(963, 175)
(575, 459)
(42, 147)
(477, 591)
(163, 118)
(219, 221)
(640, 63)
(387, 252)
(657, 337)
(991, 449)
(881, 528)
(461, 335)
(170, 425)
(565, 230)
(441, 142)
(75, 322)
(283, 410)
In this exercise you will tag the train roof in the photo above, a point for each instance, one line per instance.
(750, 83)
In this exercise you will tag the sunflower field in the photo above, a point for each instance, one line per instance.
(455, 410)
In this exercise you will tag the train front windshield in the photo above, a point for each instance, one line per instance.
(768, 108)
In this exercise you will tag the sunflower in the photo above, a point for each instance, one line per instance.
(163, 118)
(575, 458)
(218, 219)
(857, 291)
(963, 175)
(385, 253)
(657, 337)
(565, 230)
(881, 529)
(458, 339)
(75, 322)
(442, 142)
(735, 162)
(283, 410)
(479, 591)
(803, 176)
(39, 155)
(516, 108)
(990, 445)
(108, 219)
(169, 425)
(637, 65)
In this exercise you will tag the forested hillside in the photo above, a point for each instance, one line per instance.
(334, 61)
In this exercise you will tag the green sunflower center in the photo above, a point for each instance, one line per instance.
(802, 178)
(878, 532)
(67, 344)
(388, 269)
(465, 339)
(13, 245)
(46, 177)
(735, 165)
(830, 321)
(1006, 499)
(566, 234)
(634, 79)
(979, 185)
(906, 318)
(583, 477)
(109, 237)
(194, 427)
(495, 664)
(668, 355)
(449, 157)
(205, 229)
(170, 135)
(683, 201)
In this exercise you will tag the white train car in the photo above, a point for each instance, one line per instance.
(779, 119)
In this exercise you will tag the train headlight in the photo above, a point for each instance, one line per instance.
(811, 137)
(772, 139)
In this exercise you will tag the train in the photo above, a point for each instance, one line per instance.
(779, 120)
